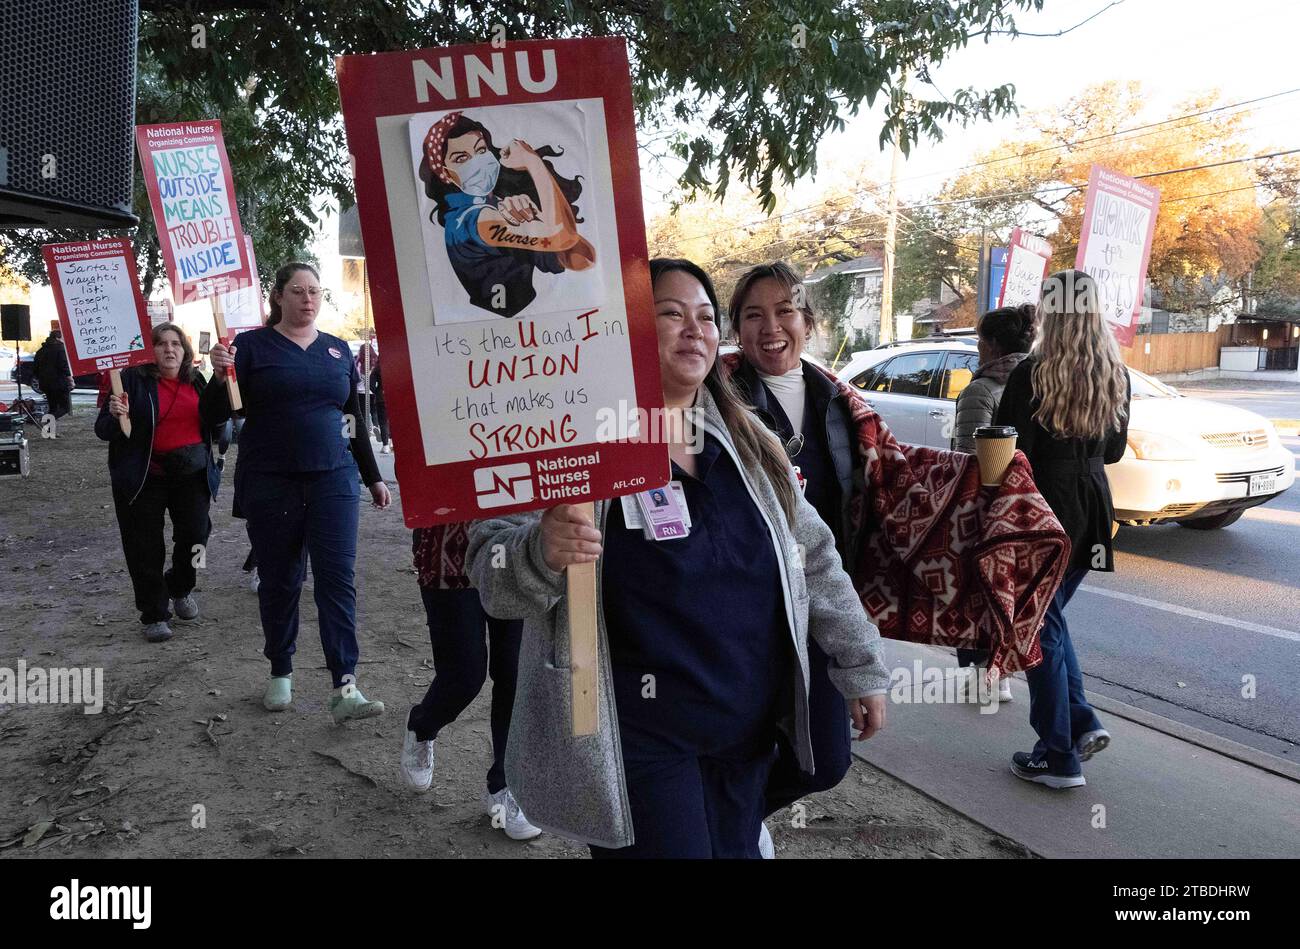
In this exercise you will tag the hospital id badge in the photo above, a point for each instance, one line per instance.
(663, 515)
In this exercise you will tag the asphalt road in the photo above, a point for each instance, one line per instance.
(1204, 626)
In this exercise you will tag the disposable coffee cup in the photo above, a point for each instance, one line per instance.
(995, 445)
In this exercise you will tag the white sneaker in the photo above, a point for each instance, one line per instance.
(505, 813)
(417, 762)
(1004, 689)
(386, 450)
(253, 581)
(766, 849)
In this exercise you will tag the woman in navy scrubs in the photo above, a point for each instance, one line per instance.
(296, 484)
(803, 407)
(703, 654)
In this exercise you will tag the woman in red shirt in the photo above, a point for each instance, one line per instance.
(165, 466)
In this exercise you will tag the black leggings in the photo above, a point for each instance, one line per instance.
(461, 631)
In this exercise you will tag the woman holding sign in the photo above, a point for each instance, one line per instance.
(296, 483)
(166, 465)
(802, 406)
(1069, 403)
(703, 637)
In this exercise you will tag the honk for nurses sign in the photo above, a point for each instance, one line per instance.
(499, 198)
(192, 194)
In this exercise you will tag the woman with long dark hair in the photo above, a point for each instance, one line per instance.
(703, 639)
(506, 212)
(296, 483)
(166, 466)
(1069, 403)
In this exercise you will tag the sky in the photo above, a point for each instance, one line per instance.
(1175, 48)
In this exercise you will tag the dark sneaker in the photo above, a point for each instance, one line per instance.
(1028, 768)
(157, 632)
(1090, 743)
(186, 607)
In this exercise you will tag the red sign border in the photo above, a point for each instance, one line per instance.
(1123, 334)
(379, 85)
(194, 290)
(99, 250)
(1012, 246)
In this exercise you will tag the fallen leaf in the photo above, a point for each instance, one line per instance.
(36, 832)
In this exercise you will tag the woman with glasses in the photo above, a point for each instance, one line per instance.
(296, 483)
(803, 407)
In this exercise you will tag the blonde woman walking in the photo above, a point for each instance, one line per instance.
(1069, 402)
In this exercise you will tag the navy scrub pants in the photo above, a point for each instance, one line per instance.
(694, 807)
(1058, 710)
(828, 724)
(460, 631)
(291, 517)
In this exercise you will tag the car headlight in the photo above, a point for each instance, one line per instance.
(1151, 446)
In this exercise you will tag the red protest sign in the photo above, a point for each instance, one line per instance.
(192, 194)
(1119, 222)
(101, 310)
(1027, 259)
(500, 206)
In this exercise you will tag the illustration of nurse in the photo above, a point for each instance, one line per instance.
(504, 212)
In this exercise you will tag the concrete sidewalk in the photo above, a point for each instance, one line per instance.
(1150, 794)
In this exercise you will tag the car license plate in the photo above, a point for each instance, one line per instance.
(1261, 484)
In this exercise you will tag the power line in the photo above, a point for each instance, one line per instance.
(874, 190)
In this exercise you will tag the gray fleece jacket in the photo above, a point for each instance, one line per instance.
(978, 402)
(576, 787)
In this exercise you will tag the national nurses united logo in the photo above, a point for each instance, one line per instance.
(503, 485)
(335, 353)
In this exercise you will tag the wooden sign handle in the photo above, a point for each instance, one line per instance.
(115, 380)
(581, 578)
(236, 403)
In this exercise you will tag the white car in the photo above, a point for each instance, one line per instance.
(1189, 461)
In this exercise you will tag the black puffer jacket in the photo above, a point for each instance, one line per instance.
(128, 458)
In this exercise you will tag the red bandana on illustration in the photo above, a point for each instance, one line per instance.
(942, 560)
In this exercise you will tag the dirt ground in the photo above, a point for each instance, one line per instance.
(183, 761)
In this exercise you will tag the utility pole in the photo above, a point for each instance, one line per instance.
(891, 233)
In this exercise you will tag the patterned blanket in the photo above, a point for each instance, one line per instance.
(942, 559)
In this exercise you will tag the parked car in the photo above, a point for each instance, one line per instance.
(26, 368)
(1189, 461)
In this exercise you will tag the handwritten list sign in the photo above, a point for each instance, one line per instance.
(192, 194)
(1119, 222)
(101, 310)
(1027, 260)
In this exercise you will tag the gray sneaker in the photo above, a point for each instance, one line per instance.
(186, 606)
(157, 632)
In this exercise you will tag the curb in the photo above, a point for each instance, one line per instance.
(1226, 747)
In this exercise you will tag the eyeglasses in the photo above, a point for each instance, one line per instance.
(312, 292)
(793, 447)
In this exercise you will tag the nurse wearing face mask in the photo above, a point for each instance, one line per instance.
(505, 213)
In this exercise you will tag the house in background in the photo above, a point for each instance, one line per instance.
(861, 315)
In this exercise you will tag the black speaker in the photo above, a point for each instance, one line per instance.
(15, 321)
(67, 112)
